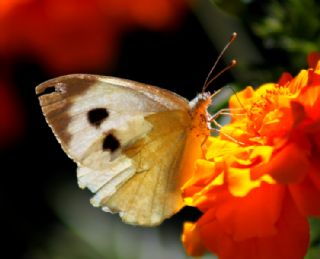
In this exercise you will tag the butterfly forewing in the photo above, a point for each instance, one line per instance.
(127, 139)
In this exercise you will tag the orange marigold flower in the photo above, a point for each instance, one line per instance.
(260, 179)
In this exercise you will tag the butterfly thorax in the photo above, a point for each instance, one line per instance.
(199, 114)
(197, 135)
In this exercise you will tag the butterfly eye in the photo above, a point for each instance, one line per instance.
(111, 143)
(97, 116)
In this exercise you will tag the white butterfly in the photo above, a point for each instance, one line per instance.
(134, 144)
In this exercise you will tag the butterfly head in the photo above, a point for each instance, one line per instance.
(201, 100)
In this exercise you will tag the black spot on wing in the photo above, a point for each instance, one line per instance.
(97, 116)
(111, 143)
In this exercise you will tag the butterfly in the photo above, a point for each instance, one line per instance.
(134, 144)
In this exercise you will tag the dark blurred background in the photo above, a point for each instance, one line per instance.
(168, 43)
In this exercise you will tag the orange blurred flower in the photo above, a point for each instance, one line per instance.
(68, 36)
(78, 35)
(260, 178)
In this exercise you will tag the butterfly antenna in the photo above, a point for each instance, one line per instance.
(232, 64)
(207, 82)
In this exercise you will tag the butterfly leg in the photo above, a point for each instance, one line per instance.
(213, 119)
(202, 144)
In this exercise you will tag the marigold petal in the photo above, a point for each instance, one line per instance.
(317, 67)
(277, 123)
(314, 77)
(253, 215)
(263, 89)
(246, 157)
(300, 81)
(243, 96)
(298, 112)
(191, 240)
(306, 194)
(263, 152)
(289, 165)
(237, 131)
(292, 239)
(204, 171)
(194, 189)
(310, 99)
(314, 174)
(218, 148)
(289, 241)
(285, 78)
(313, 59)
(216, 239)
(240, 183)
